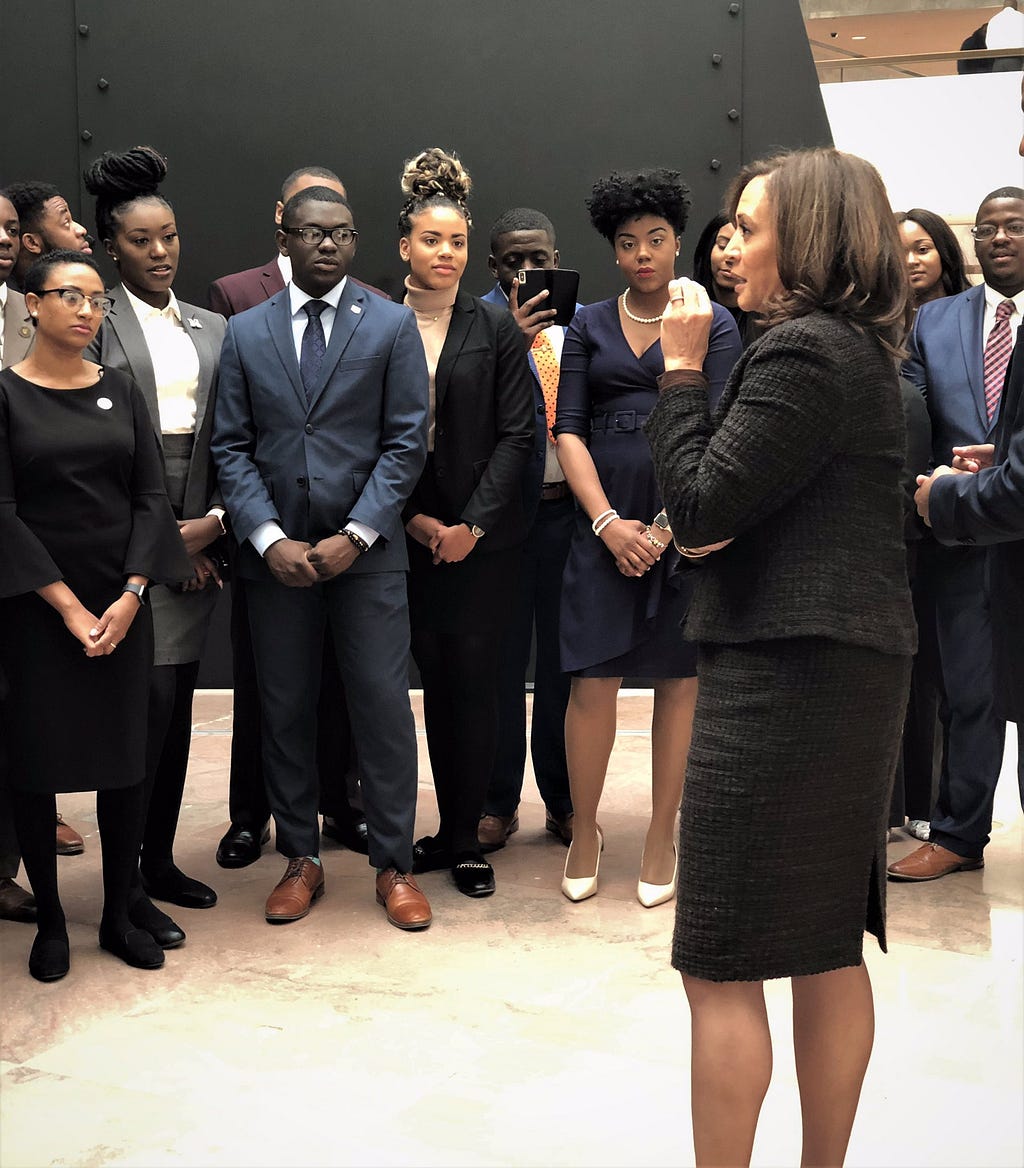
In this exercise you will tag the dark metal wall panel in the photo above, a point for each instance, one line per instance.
(538, 98)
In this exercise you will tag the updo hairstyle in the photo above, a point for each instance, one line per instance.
(434, 178)
(119, 179)
(625, 195)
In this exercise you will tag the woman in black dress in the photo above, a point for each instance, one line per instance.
(465, 520)
(85, 526)
(622, 600)
(171, 350)
(805, 631)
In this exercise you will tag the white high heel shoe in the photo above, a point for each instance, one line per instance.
(580, 887)
(651, 895)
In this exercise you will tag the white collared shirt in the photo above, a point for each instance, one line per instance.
(284, 266)
(175, 363)
(3, 318)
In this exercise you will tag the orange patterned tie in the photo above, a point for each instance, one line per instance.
(547, 367)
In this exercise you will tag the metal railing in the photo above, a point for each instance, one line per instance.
(901, 60)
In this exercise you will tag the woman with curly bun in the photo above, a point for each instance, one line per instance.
(622, 600)
(935, 263)
(171, 349)
(465, 519)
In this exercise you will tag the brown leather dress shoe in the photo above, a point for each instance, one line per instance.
(561, 826)
(301, 884)
(403, 901)
(493, 830)
(930, 862)
(69, 842)
(15, 903)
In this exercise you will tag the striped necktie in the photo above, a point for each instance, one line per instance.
(997, 357)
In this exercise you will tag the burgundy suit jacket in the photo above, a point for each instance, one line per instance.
(242, 290)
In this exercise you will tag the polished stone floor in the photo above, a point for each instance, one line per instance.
(518, 1030)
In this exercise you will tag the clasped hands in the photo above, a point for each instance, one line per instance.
(198, 534)
(966, 460)
(449, 545)
(298, 564)
(101, 637)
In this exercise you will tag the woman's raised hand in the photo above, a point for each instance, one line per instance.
(686, 325)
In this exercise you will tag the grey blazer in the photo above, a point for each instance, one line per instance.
(18, 333)
(120, 344)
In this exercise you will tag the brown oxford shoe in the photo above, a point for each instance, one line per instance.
(69, 842)
(15, 903)
(301, 884)
(560, 825)
(493, 830)
(930, 862)
(403, 901)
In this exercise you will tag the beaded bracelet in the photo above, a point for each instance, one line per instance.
(358, 540)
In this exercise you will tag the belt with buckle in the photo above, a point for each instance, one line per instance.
(620, 422)
(549, 492)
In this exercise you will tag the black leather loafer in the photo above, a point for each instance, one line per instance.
(177, 888)
(474, 877)
(241, 847)
(144, 915)
(350, 833)
(430, 855)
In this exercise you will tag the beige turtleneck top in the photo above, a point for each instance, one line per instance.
(433, 316)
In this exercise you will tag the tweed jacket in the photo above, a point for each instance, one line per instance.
(800, 466)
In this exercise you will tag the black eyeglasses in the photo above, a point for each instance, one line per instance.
(988, 231)
(342, 236)
(73, 299)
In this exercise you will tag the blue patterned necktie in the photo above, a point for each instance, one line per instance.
(314, 346)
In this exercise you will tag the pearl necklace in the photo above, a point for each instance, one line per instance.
(638, 319)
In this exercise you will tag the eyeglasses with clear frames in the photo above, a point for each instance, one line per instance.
(985, 231)
(342, 236)
(74, 299)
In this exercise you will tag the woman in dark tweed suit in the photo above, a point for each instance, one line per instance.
(805, 632)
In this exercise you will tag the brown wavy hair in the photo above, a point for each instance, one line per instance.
(838, 247)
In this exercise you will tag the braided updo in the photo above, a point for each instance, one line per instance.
(119, 178)
(434, 178)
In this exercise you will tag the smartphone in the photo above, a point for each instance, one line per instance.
(561, 284)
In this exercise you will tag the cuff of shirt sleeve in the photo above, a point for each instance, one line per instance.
(673, 378)
(266, 534)
(218, 513)
(366, 534)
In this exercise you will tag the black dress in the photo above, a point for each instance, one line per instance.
(613, 625)
(82, 500)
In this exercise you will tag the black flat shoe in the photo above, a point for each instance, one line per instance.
(134, 947)
(50, 958)
(474, 877)
(177, 888)
(240, 846)
(144, 914)
(350, 833)
(430, 855)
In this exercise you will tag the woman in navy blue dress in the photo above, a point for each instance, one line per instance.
(622, 598)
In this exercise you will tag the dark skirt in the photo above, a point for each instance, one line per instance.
(785, 808)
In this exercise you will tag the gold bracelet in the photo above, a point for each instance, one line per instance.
(654, 542)
(690, 553)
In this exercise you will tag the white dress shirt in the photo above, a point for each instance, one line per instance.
(992, 301)
(175, 363)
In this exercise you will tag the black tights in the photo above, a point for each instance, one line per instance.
(119, 816)
(168, 738)
(460, 709)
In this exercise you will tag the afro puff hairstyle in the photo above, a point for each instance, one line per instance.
(627, 194)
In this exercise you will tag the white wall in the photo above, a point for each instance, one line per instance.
(939, 142)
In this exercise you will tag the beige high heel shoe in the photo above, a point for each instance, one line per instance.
(651, 895)
(580, 887)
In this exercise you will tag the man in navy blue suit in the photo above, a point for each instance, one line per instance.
(523, 238)
(320, 435)
(958, 355)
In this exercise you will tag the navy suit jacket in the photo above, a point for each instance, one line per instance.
(533, 474)
(355, 452)
(121, 344)
(988, 508)
(945, 363)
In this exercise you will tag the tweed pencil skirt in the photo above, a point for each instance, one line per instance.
(785, 808)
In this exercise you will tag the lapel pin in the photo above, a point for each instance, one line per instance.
(356, 309)
(24, 331)
(195, 322)
(104, 403)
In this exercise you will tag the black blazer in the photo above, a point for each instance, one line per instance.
(483, 428)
